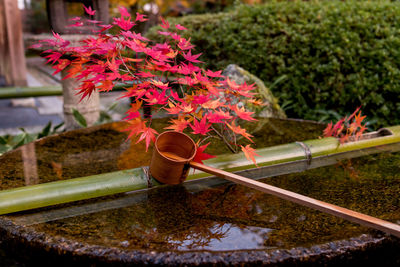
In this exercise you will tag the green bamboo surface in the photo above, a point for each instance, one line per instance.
(19, 92)
(47, 194)
(42, 195)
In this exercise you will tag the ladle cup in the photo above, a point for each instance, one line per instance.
(172, 158)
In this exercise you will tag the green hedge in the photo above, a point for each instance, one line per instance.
(336, 55)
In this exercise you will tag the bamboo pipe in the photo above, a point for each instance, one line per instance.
(344, 213)
(19, 92)
(53, 193)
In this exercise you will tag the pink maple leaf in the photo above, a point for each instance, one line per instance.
(53, 57)
(140, 17)
(75, 19)
(76, 24)
(164, 33)
(164, 23)
(89, 10)
(124, 24)
(185, 44)
(192, 58)
(180, 27)
(124, 12)
(216, 74)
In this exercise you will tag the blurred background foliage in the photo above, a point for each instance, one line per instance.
(335, 55)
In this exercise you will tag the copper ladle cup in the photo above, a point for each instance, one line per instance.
(166, 169)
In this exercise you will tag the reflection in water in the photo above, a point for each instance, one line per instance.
(30, 164)
(228, 237)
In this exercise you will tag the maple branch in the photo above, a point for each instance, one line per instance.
(222, 137)
(123, 62)
(202, 141)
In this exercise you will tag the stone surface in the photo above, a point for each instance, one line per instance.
(48, 105)
(28, 102)
(13, 118)
(271, 108)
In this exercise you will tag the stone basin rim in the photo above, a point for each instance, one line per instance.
(58, 246)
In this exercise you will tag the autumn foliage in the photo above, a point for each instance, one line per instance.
(348, 128)
(167, 76)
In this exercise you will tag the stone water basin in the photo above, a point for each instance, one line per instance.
(201, 222)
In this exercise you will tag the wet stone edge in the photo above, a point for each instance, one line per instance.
(38, 246)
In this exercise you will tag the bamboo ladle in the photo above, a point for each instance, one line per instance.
(168, 152)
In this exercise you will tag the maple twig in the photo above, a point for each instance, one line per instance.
(224, 140)
(202, 141)
(123, 62)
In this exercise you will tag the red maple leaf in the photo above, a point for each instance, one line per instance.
(218, 116)
(200, 155)
(86, 89)
(135, 127)
(62, 64)
(133, 112)
(153, 97)
(201, 127)
(148, 134)
(328, 131)
(250, 153)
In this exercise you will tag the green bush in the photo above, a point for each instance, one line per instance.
(335, 55)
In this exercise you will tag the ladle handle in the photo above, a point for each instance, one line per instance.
(344, 213)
